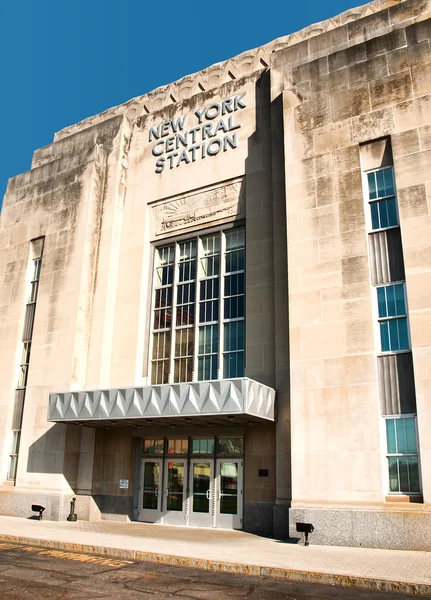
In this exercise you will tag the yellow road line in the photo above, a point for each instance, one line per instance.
(98, 560)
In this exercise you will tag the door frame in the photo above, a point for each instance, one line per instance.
(202, 519)
(229, 521)
(173, 517)
(147, 514)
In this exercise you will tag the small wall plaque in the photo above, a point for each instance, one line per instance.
(124, 484)
(263, 473)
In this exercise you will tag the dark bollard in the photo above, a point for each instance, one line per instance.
(305, 528)
(38, 508)
(72, 516)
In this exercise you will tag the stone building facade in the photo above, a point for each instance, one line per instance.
(214, 298)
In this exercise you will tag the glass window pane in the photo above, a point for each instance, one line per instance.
(151, 485)
(389, 182)
(375, 222)
(392, 212)
(380, 184)
(390, 436)
(394, 343)
(411, 445)
(384, 220)
(384, 336)
(153, 447)
(229, 488)
(401, 435)
(404, 474)
(400, 302)
(230, 446)
(201, 487)
(403, 335)
(381, 299)
(393, 474)
(372, 185)
(235, 239)
(175, 486)
(414, 473)
(390, 299)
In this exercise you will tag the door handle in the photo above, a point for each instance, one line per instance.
(208, 493)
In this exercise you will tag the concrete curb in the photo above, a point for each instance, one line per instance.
(382, 585)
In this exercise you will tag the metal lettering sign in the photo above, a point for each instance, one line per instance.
(176, 144)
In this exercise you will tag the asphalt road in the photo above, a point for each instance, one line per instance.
(35, 573)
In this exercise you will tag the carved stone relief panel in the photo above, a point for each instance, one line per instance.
(212, 205)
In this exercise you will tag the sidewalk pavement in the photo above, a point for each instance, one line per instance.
(231, 551)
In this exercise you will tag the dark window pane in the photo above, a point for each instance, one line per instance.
(380, 184)
(403, 334)
(214, 366)
(384, 336)
(372, 185)
(393, 474)
(381, 298)
(229, 488)
(410, 435)
(390, 436)
(414, 473)
(375, 215)
(384, 221)
(392, 212)
(400, 302)
(389, 182)
(394, 343)
(401, 436)
(404, 474)
(390, 297)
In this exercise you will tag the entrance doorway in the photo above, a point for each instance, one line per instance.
(175, 486)
(193, 490)
(150, 506)
(202, 492)
(229, 494)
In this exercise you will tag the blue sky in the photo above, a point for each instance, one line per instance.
(64, 60)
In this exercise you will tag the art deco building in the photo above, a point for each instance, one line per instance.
(215, 299)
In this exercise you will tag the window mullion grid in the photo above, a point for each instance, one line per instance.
(175, 279)
(221, 305)
(195, 359)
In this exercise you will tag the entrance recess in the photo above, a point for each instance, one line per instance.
(150, 506)
(192, 481)
(229, 494)
(202, 492)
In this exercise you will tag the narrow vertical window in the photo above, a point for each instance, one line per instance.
(234, 296)
(381, 193)
(402, 455)
(36, 248)
(162, 325)
(393, 318)
(209, 304)
(185, 312)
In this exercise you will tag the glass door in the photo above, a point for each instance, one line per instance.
(150, 488)
(201, 492)
(229, 496)
(175, 485)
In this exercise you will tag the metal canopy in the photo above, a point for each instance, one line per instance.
(218, 401)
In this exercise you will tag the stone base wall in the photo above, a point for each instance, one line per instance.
(367, 528)
(16, 503)
(258, 518)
